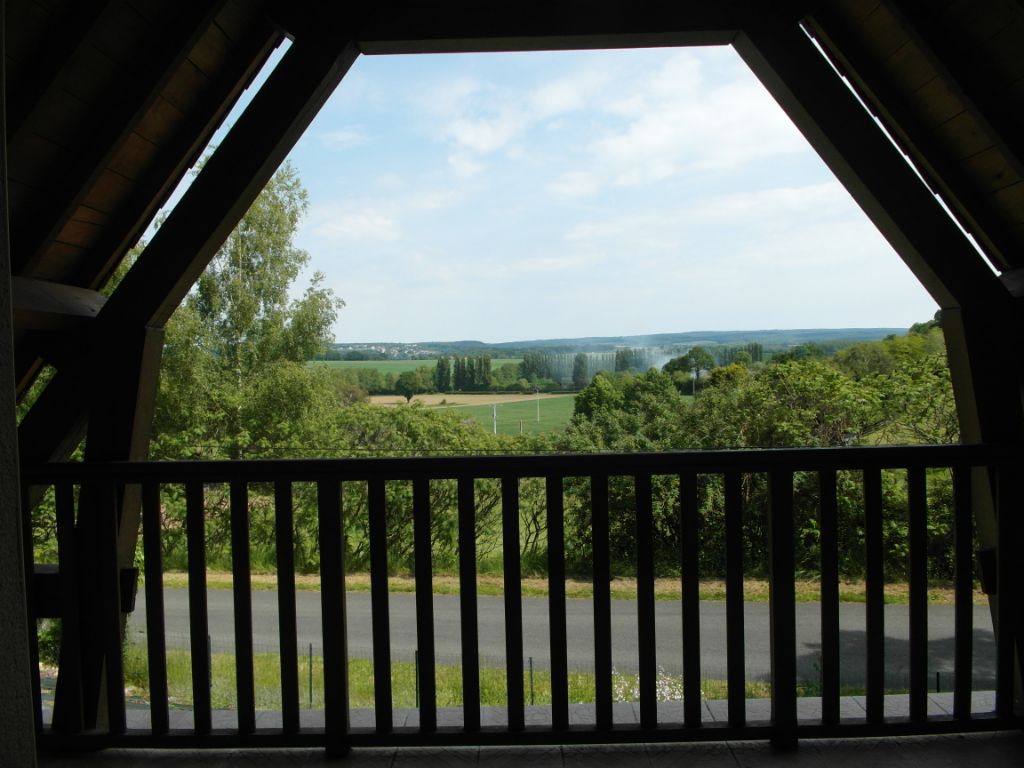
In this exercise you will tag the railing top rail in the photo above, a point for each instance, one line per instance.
(540, 465)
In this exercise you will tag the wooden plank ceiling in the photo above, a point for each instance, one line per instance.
(111, 101)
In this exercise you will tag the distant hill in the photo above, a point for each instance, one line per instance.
(768, 338)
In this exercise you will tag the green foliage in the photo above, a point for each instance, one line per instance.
(580, 375)
(534, 367)
(233, 379)
(903, 396)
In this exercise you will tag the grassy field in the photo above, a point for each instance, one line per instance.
(267, 673)
(400, 366)
(754, 590)
(521, 416)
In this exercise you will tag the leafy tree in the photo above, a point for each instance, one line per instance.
(443, 375)
(679, 364)
(696, 360)
(407, 385)
(623, 360)
(534, 367)
(506, 376)
(579, 371)
(233, 378)
(700, 360)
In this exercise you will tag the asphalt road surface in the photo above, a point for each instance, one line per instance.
(580, 623)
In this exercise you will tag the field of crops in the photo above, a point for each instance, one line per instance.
(400, 366)
(521, 416)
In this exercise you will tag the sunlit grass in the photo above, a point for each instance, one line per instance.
(754, 590)
(493, 688)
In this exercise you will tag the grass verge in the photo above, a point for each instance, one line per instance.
(754, 590)
(493, 690)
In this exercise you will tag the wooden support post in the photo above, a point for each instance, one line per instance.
(17, 746)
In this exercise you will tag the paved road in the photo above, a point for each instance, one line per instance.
(579, 617)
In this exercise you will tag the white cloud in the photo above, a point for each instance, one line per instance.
(607, 192)
(778, 206)
(464, 166)
(334, 224)
(343, 138)
(714, 129)
(574, 184)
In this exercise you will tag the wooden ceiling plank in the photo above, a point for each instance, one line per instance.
(1004, 53)
(977, 21)
(107, 193)
(179, 151)
(91, 215)
(186, 87)
(36, 152)
(115, 120)
(963, 135)
(982, 93)
(936, 102)
(235, 19)
(916, 137)
(161, 122)
(866, 163)
(116, 37)
(134, 157)
(908, 68)
(211, 51)
(1011, 200)
(57, 48)
(88, 76)
(880, 35)
(83, 234)
(991, 169)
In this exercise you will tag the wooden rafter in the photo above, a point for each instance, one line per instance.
(114, 122)
(229, 183)
(184, 245)
(59, 47)
(870, 168)
(983, 93)
(467, 26)
(942, 171)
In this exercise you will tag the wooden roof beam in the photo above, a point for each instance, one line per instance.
(871, 169)
(440, 26)
(190, 237)
(165, 51)
(44, 306)
(180, 153)
(59, 48)
(229, 183)
(982, 94)
(973, 208)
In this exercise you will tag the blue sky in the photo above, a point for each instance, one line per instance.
(518, 196)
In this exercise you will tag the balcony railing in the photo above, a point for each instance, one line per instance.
(974, 470)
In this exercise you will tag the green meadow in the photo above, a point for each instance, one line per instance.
(522, 416)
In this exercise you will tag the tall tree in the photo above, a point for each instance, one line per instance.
(233, 379)
(579, 371)
(443, 375)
